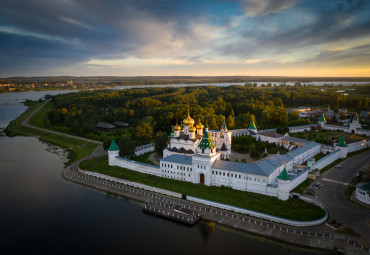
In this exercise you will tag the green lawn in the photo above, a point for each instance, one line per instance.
(301, 187)
(40, 119)
(76, 148)
(294, 209)
(144, 158)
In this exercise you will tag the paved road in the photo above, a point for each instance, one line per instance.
(25, 123)
(332, 194)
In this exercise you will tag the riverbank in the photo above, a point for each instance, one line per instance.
(76, 148)
(298, 236)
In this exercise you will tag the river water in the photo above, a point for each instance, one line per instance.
(41, 213)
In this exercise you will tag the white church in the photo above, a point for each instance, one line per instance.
(197, 155)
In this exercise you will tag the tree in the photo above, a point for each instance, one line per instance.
(160, 142)
(230, 121)
(144, 131)
(126, 147)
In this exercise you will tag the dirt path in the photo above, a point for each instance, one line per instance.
(154, 158)
(25, 123)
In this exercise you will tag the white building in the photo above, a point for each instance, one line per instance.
(197, 158)
(363, 192)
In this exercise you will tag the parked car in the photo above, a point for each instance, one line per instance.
(318, 184)
(337, 225)
(314, 187)
(338, 166)
(310, 192)
(333, 221)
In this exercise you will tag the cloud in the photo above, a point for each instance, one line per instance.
(255, 8)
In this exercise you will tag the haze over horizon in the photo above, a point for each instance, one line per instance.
(309, 38)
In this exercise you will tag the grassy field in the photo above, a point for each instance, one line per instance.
(301, 187)
(144, 158)
(76, 148)
(294, 209)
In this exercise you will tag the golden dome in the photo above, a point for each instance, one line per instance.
(176, 128)
(192, 129)
(188, 121)
(199, 125)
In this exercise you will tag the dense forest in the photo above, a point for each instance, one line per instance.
(152, 111)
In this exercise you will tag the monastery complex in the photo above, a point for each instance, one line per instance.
(199, 155)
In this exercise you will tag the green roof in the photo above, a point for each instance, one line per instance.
(341, 142)
(206, 142)
(322, 118)
(284, 175)
(113, 146)
(252, 126)
(365, 186)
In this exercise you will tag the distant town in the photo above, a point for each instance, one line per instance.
(23, 84)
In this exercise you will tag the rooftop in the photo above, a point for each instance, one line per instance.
(178, 159)
(295, 140)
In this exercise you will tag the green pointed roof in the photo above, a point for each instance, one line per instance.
(355, 117)
(252, 126)
(284, 175)
(206, 142)
(341, 142)
(113, 146)
(322, 118)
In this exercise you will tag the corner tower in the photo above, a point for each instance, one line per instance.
(113, 152)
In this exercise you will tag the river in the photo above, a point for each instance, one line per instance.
(41, 213)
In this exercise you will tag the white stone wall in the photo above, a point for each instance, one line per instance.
(298, 180)
(140, 150)
(133, 165)
(327, 148)
(263, 138)
(328, 159)
(357, 146)
(132, 184)
(363, 196)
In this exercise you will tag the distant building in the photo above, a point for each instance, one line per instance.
(121, 124)
(104, 126)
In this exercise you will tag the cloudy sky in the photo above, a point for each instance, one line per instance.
(185, 37)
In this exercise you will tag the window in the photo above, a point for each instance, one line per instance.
(202, 150)
(224, 174)
(213, 172)
(232, 175)
(227, 174)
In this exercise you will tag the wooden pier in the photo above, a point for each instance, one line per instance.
(176, 212)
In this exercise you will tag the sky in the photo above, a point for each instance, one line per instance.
(187, 37)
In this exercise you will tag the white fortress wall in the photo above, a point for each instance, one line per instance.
(137, 166)
(298, 179)
(357, 146)
(140, 150)
(328, 159)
